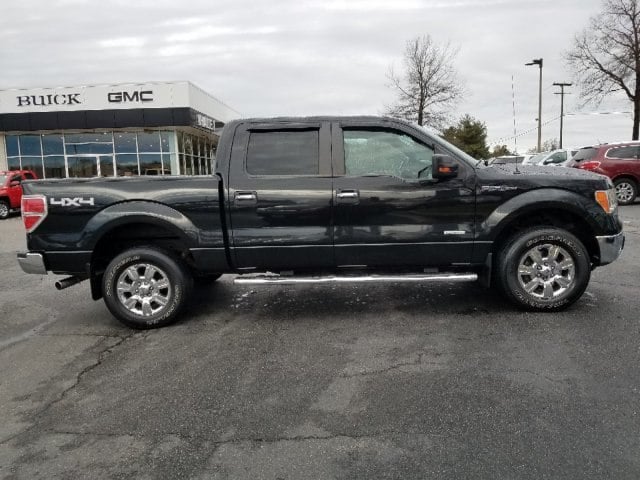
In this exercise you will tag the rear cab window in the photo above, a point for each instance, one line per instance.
(585, 154)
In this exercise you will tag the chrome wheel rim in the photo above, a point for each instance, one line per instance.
(4, 210)
(144, 289)
(624, 191)
(546, 271)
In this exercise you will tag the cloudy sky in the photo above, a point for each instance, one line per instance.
(304, 57)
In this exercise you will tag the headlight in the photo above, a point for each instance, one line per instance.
(607, 199)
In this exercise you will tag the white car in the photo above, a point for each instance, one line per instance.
(555, 158)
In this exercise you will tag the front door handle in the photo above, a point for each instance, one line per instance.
(245, 199)
(348, 196)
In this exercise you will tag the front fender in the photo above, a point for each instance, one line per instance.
(136, 212)
(547, 199)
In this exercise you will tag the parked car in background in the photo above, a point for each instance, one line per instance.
(11, 190)
(618, 161)
(535, 159)
(557, 158)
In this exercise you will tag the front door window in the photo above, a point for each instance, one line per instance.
(372, 152)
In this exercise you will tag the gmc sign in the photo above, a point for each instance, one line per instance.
(124, 97)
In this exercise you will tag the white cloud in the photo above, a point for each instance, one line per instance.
(123, 42)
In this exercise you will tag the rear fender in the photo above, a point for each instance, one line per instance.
(138, 212)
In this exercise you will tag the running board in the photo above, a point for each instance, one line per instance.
(292, 280)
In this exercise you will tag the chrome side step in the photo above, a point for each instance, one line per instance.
(292, 280)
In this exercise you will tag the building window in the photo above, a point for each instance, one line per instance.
(30, 145)
(34, 164)
(110, 153)
(54, 167)
(127, 165)
(13, 163)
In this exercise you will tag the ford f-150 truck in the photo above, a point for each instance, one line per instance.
(324, 199)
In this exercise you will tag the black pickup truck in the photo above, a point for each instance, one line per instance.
(324, 199)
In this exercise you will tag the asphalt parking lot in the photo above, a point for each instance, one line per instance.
(356, 382)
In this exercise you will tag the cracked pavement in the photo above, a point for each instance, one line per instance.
(337, 382)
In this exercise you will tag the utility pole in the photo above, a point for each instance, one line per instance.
(562, 94)
(538, 61)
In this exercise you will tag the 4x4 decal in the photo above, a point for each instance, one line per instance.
(72, 202)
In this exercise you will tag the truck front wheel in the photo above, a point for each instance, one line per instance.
(543, 269)
(145, 287)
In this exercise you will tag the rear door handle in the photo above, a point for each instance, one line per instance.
(348, 196)
(245, 199)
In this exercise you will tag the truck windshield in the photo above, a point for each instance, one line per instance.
(3, 178)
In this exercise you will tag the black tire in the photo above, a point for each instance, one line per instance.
(142, 302)
(543, 269)
(206, 279)
(626, 190)
(4, 209)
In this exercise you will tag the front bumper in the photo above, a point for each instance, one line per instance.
(32, 263)
(610, 247)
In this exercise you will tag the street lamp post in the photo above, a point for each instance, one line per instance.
(538, 61)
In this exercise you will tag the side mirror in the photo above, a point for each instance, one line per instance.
(444, 167)
(14, 183)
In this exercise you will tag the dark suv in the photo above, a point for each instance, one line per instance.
(618, 161)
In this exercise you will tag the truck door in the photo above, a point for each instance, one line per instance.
(280, 196)
(389, 211)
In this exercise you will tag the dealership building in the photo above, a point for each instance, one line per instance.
(157, 128)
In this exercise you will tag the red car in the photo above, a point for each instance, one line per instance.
(618, 161)
(11, 190)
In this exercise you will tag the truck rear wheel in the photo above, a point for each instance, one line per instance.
(543, 269)
(145, 287)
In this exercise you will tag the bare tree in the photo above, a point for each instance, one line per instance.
(605, 57)
(429, 86)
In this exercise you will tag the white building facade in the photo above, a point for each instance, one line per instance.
(156, 128)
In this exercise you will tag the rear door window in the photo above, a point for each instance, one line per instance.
(283, 153)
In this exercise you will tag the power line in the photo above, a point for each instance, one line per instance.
(505, 140)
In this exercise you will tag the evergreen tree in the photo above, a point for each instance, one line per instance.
(470, 135)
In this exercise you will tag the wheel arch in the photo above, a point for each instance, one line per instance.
(627, 176)
(549, 207)
(132, 224)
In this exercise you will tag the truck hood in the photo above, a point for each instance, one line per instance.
(528, 177)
